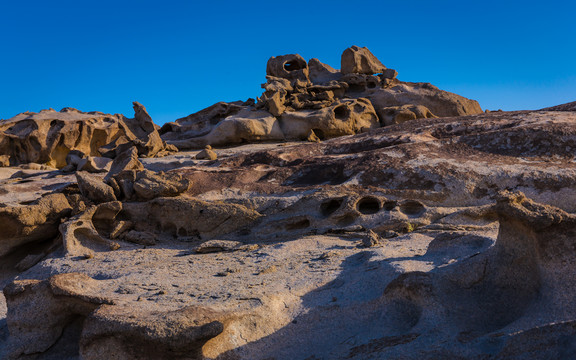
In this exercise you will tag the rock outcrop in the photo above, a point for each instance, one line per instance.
(301, 97)
(49, 136)
(413, 237)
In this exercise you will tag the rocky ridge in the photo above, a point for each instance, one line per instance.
(439, 237)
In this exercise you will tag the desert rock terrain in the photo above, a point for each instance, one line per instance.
(344, 214)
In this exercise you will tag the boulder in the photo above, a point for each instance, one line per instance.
(39, 311)
(399, 114)
(321, 73)
(4, 160)
(149, 185)
(94, 188)
(292, 67)
(357, 60)
(207, 154)
(30, 223)
(129, 332)
(126, 160)
(347, 117)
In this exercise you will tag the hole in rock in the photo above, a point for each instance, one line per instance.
(327, 208)
(390, 205)
(342, 112)
(412, 207)
(293, 65)
(320, 134)
(371, 85)
(182, 232)
(298, 224)
(368, 205)
(356, 88)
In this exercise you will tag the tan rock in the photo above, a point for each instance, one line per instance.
(207, 154)
(357, 60)
(4, 160)
(441, 103)
(245, 126)
(292, 67)
(399, 114)
(126, 160)
(345, 118)
(149, 185)
(30, 223)
(86, 232)
(94, 188)
(321, 73)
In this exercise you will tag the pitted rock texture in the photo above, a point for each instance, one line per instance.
(49, 136)
(434, 238)
(299, 97)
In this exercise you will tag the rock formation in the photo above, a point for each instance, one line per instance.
(414, 237)
(49, 136)
(300, 97)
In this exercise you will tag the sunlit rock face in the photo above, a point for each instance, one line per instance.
(428, 238)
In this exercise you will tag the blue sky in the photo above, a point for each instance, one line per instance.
(177, 57)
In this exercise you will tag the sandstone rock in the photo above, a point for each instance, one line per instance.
(86, 233)
(359, 60)
(292, 67)
(95, 164)
(245, 126)
(201, 122)
(212, 246)
(564, 107)
(399, 114)
(126, 160)
(140, 237)
(41, 310)
(48, 136)
(440, 103)
(4, 160)
(132, 333)
(186, 217)
(345, 118)
(149, 185)
(94, 188)
(35, 222)
(321, 73)
(371, 239)
(207, 154)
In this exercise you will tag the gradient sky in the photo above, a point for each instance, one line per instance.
(177, 57)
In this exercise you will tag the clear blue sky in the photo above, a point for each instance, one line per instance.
(177, 57)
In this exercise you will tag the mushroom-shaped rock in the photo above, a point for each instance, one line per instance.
(292, 67)
(360, 61)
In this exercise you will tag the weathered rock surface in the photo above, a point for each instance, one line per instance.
(357, 60)
(31, 223)
(48, 136)
(300, 97)
(434, 238)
